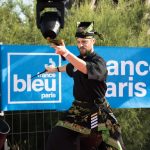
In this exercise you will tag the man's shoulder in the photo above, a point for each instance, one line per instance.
(98, 57)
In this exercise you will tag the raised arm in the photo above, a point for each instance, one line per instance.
(78, 63)
(52, 69)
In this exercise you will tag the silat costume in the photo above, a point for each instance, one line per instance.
(90, 114)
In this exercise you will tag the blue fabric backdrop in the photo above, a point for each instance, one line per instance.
(128, 78)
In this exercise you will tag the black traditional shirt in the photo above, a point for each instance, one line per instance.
(90, 86)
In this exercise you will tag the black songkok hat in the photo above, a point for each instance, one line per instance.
(86, 30)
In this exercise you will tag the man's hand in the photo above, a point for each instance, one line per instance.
(59, 46)
(61, 50)
(51, 69)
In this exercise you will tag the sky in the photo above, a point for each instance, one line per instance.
(28, 1)
(24, 1)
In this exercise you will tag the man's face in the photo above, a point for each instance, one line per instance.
(85, 45)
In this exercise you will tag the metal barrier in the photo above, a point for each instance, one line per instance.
(29, 129)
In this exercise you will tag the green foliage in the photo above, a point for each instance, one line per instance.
(135, 130)
(122, 25)
(16, 29)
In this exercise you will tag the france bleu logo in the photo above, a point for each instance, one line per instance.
(45, 88)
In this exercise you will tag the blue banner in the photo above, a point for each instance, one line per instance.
(128, 76)
(128, 79)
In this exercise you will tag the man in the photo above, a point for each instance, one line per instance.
(90, 118)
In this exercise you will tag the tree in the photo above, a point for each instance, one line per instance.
(17, 27)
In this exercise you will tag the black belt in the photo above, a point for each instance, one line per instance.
(87, 104)
(83, 104)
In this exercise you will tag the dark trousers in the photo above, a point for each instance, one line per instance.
(63, 139)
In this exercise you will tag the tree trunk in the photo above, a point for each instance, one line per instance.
(93, 4)
(147, 2)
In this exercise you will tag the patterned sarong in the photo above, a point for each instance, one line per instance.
(97, 117)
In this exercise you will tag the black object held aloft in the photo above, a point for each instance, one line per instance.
(50, 22)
